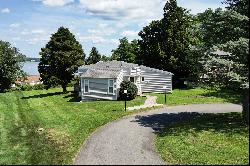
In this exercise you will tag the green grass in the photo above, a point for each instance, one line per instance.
(198, 96)
(66, 125)
(205, 139)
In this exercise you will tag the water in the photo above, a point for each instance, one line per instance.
(31, 68)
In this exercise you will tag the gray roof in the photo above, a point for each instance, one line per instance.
(109, 66)
(99, 73)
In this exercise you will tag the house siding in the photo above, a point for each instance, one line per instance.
(98, 88)
(154, 81)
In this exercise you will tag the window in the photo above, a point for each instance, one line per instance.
(86, 86)
(142, 79)
(111, 86)
(132, 79)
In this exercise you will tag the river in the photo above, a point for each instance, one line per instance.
(31, 68)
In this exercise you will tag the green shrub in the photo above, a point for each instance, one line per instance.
(38, 87)
(130, 87)
(26, 87)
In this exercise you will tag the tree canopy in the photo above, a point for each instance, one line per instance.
(10, 65)
(126, 51)
(94, 56)
(227, 31)
(61, 57)
(165, 43)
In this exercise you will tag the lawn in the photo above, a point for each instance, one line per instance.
(199, 96)
(66, 125)
(205, 139)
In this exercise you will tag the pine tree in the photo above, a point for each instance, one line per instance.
(94, 56)
(61, 57)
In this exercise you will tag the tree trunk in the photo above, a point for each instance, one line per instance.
(245, 112)
(64, 88)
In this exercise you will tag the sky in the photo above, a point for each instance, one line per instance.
(28, 24)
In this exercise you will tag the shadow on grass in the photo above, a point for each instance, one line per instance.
(229, 95)
(43, 95)
(73, 97)
(223, 122)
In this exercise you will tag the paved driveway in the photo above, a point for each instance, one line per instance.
(130, 141)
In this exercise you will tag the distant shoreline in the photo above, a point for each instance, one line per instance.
(32, 59)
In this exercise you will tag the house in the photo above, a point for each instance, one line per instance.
(31, 80)
(102, 80)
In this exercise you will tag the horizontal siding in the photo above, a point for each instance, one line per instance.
(154, 81)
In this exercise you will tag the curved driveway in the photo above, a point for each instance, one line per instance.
(130, 141)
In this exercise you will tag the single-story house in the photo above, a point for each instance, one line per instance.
(31, 80)
(102, 80)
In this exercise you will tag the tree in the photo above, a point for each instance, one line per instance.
(94, 56)
(166, 42)
(126, 51)
(228, 31)
(10, 65)
(240, 6)
(105, 58)
(61, 57)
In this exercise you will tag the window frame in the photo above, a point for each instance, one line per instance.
(111, 86)
(85, 83)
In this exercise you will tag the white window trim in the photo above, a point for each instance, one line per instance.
(86, 82)
(111, 86)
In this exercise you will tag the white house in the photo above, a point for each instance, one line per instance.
(102, 80)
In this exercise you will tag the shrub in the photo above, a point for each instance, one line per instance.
(130, 87)
(38, 87)
(26, 87)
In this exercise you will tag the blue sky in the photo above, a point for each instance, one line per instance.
(28, 24)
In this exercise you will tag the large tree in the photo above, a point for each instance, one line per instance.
(126, 51)
(61, 57)
(10, 65)
(94, 56)
(228, 31)
(165, 43)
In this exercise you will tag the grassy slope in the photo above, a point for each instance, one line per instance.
(199, 95)
(67, 124)
(205, 139)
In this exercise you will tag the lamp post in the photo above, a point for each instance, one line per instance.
(165, 88)
(125, 92)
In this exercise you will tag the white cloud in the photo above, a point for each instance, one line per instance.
(129, 9)
(38, 31)
(101, 29)
(55, 2)
(15, 25)
(5, 10)
(93, 39)
(130, 34)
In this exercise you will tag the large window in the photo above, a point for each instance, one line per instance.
(111, 86)
(86, 86)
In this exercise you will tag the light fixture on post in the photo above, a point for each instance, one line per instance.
(125, 92)
(165, 88)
